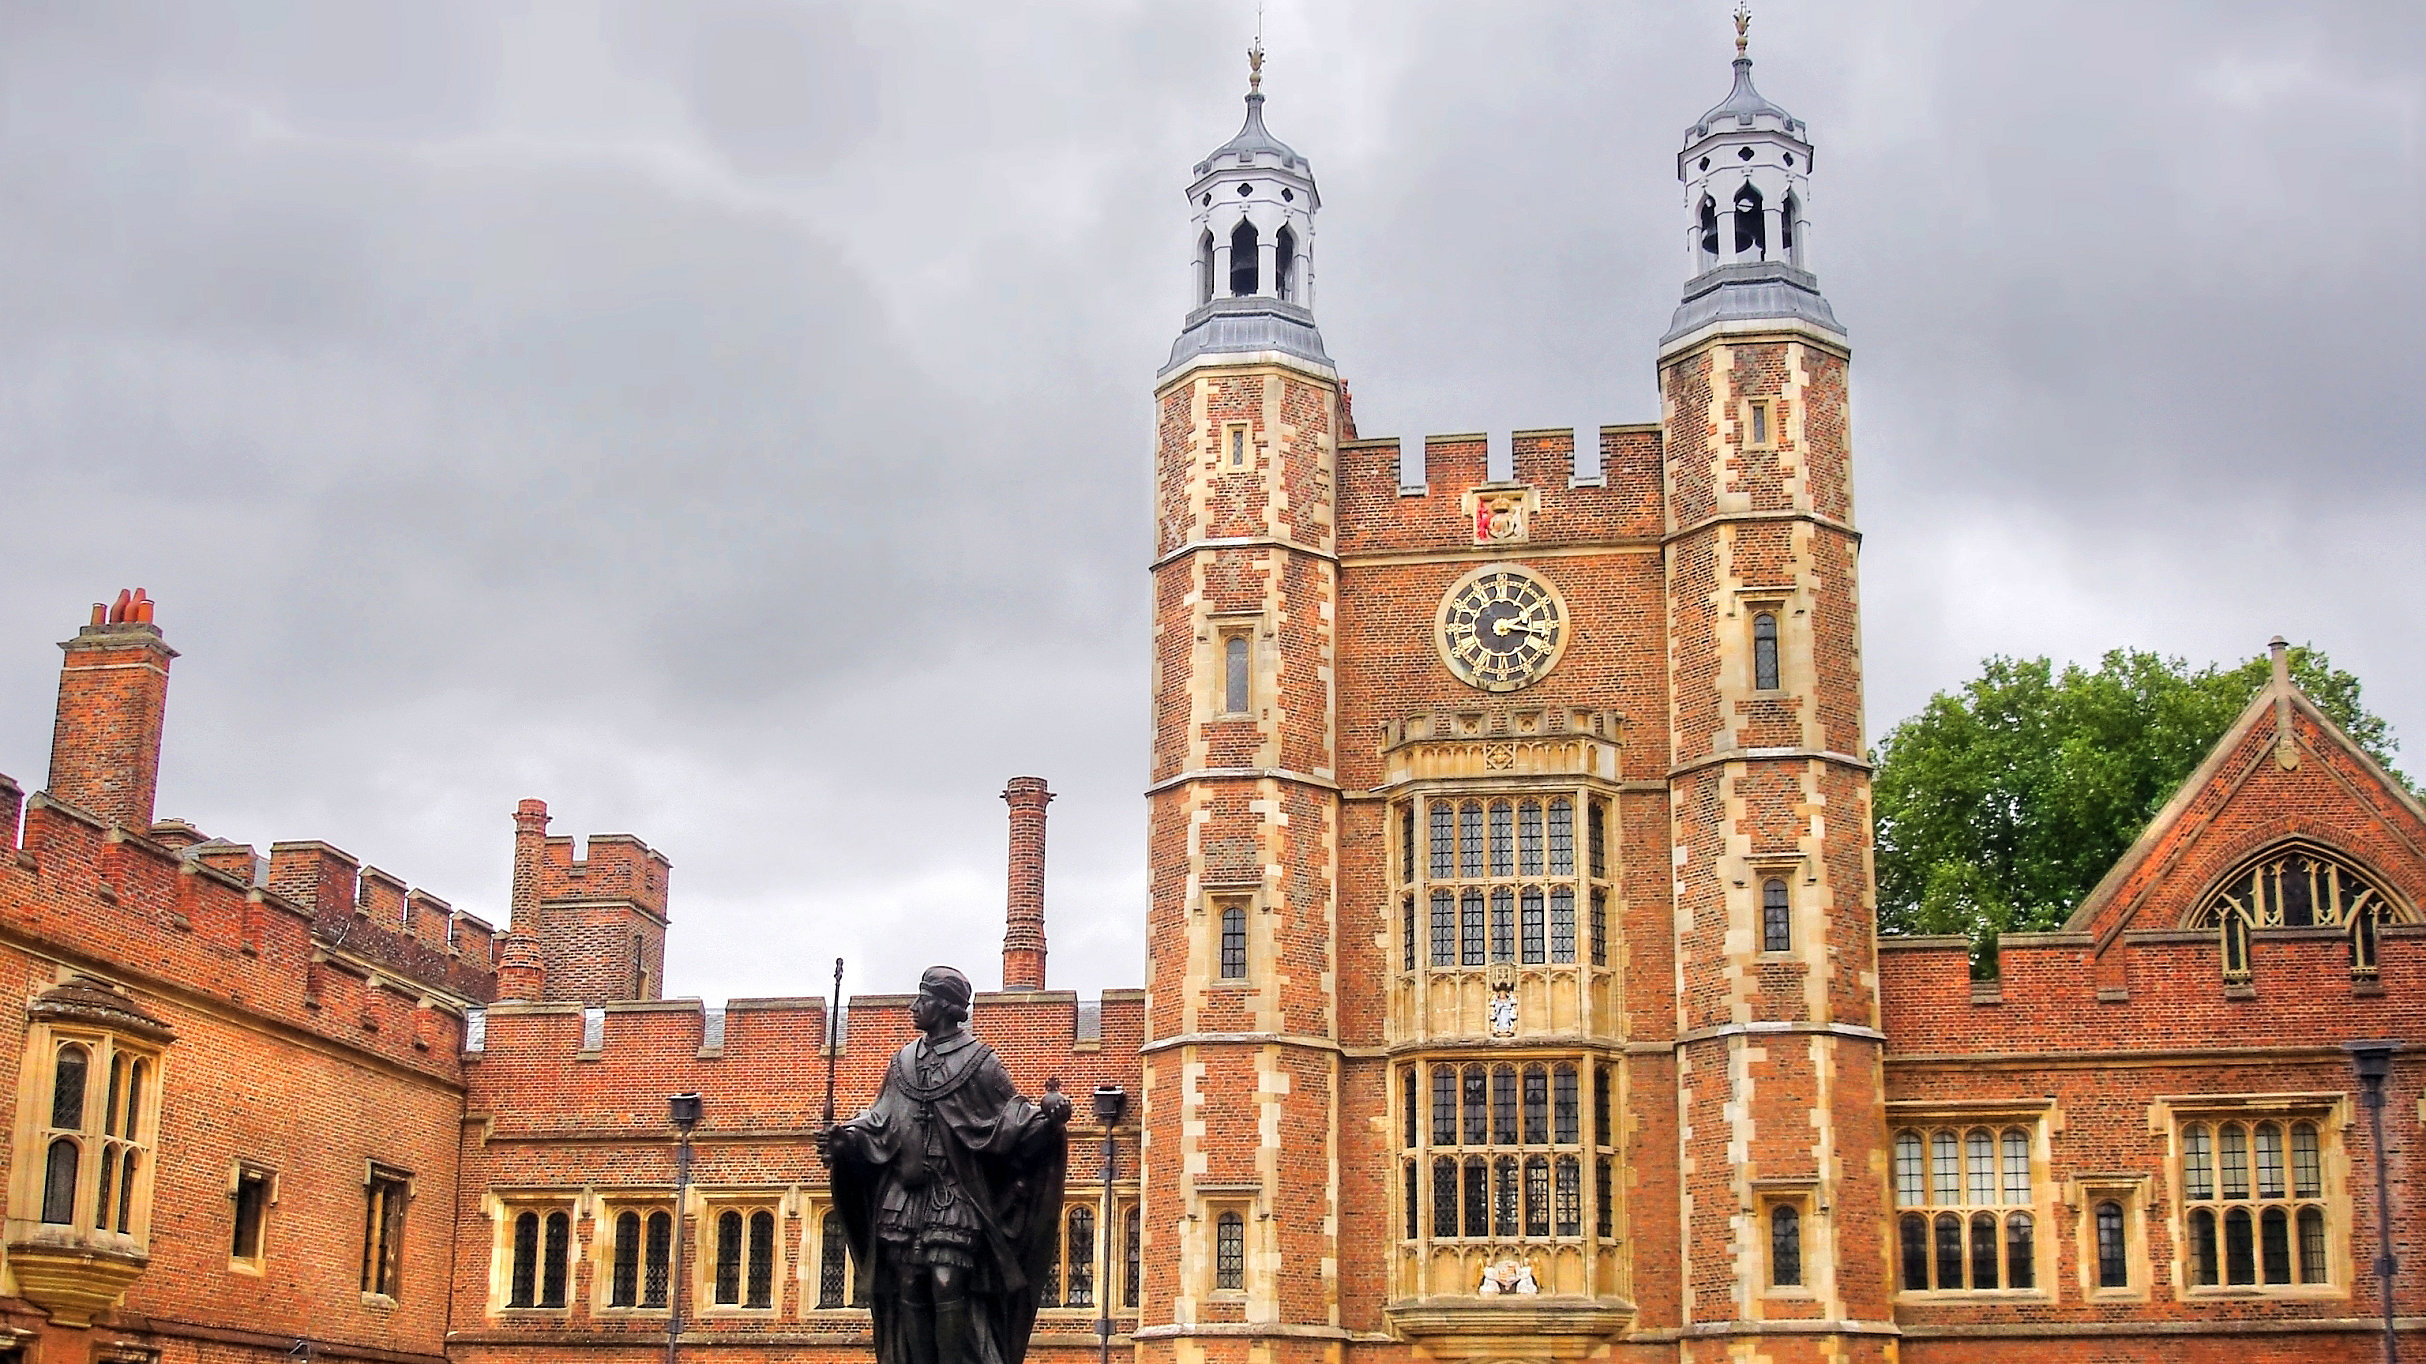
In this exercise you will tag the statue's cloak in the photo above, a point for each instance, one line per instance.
(1010, 1160)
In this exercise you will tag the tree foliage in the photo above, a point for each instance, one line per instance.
(2000, 806)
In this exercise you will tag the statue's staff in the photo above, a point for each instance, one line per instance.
(833, 1015)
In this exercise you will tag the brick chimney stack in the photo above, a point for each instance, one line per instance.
(113, 699)
(521, 963)
(530, 848)
(1023, 939)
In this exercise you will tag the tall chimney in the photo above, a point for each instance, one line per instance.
(1023, 939)
(113, 699)
(530, 848)
(521, 958)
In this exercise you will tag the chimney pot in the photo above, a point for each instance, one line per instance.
(113, 702)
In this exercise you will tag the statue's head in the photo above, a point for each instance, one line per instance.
(943, 993)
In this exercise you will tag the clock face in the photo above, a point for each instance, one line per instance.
(1501, 628)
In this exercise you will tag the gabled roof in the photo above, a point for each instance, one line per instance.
(2283, 770)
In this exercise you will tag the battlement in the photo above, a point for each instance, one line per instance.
(617, 867)
(210, 917)
(573, 1067)
(2161, 988)
(1523, 489)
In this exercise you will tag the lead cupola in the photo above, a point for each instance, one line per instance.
(1251, 208)
(1746, 168)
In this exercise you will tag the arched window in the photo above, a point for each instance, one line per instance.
(2113, 1263)
(832, 1265)
(67, 1088)
(1503, 838)
(1764, 652)
(1777, 924)
(1709, 232)
(762, 1259)
(1751, 225)
(1233, 942)
(1245, 271)
(1444, 928)
(555, 1262)
(1234, 675)
(2298, 885)
(1790, 234)
(523, 1289)
(1444, 1196)
(1503, 924)
(1470, 929)
(1081, 1258)
(1505, 1197)
(2021, 1261)
(1229, 1251)
(728, 1258)
(1284, 264)
(1785, 1246)
(1503, 1105)
(1204, 271)
(1912, 1234)
(1478, 1196)
(1478, 1106)
(1537, 1195)
(59, 1182)
(1132, 1256)
(625, 1290)
(1604, 1198)
(1470, 841)
(659, 1251)
(1532, 941)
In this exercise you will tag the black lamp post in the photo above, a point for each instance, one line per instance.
(683, 1111)
(1111, 1101)
(2373, 1061)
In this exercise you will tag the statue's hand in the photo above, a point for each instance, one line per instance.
(832, 1141)
(1056, 1106)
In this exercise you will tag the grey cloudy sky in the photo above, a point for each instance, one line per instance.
(729, 421)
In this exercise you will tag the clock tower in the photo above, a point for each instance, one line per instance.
(1511, 979)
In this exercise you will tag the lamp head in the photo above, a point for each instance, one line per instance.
(2372, 1060)
(1110, 1102)
(683, 1109)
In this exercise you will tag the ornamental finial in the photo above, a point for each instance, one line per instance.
(1743, 26)
(1255, 66)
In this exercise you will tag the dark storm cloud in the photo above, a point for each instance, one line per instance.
(729, 421)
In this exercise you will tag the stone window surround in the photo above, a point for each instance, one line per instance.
(43, 1038)
(237, 1171)
(699, 1259)
(2332, 1112)
(604, 1209)
(2039, 1117)
(2133, 1191)
(1804, 1196)
(507, 1205)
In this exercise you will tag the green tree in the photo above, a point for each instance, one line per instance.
(2000, 806)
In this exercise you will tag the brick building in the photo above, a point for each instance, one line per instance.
(1512, 990)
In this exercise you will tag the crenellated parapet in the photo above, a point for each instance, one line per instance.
(203, 918)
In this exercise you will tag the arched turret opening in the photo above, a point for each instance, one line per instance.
(1204, 269)
(1245, 278)
(1751, 227)
(1708, 247)
(1790, 230)
(1284, 264)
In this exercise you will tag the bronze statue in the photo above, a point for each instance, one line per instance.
(949, 1187)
